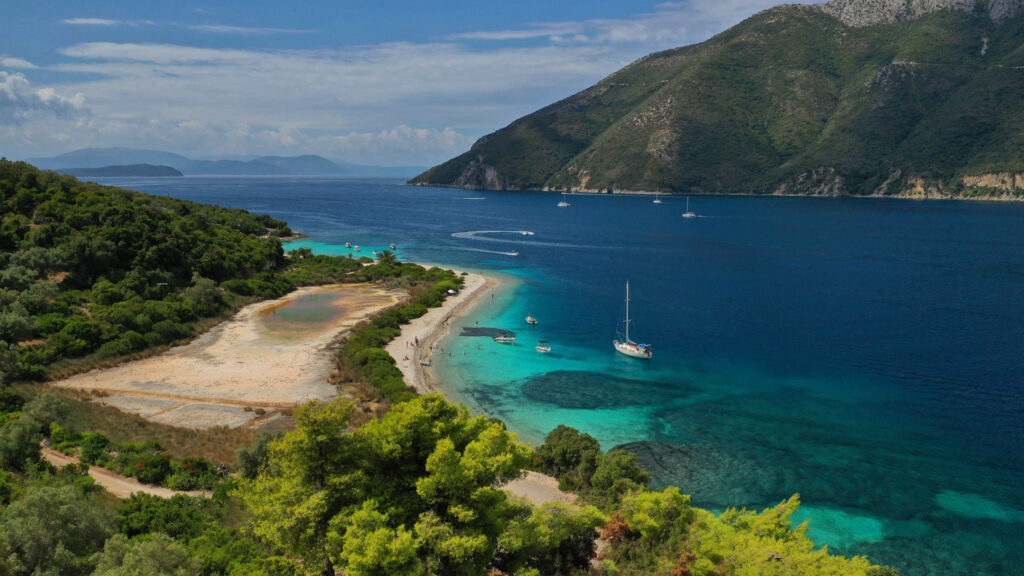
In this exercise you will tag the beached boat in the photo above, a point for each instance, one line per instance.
(564, 203)
(424, 362)
(627, 346)
(505, 339)
(542, 347)
(689, 214)
(530, 319)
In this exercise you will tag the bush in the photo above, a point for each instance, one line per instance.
(152, 468)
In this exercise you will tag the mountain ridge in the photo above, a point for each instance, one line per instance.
(790, 101)
(301, 165)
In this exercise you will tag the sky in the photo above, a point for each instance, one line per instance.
(371, 82)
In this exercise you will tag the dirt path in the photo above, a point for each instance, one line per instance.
(116, 484)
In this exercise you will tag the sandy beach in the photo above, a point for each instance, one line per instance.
(419, 338)
(253, 365)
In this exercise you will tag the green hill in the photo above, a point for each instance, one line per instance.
(852, 97)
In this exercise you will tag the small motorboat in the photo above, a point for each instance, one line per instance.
(348, 244)
(393, 246)
(530, 319)
(542, 347)
(514, 253)
(505, 339)
(374, 252)
(356, 249)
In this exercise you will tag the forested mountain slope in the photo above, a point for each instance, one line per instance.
(884, 97)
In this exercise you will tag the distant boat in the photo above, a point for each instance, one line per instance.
(689, 214)
(356, 249)
(564, 203)
(374, 252)
(657, 199)
(348, 244)
(530, 319)
(505, 339)
(627, 346)
(514, 253)
(393, 246)
(542, 347)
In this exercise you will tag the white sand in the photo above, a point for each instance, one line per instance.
(430, 327)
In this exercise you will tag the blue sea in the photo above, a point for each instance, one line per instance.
(867, 354)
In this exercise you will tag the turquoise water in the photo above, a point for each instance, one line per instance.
(864, 353)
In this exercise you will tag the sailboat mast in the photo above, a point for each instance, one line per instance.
(627, 311)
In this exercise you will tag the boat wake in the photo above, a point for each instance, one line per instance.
(503, 236)
(514, 253)
(471, 198)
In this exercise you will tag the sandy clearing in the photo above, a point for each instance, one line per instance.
(118, 485)
(239, 366)
(430, 327)
(538, 489)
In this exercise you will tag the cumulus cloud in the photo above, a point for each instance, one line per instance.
(19, 101)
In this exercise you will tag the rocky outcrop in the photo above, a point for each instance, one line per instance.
(822, 181)
(1006, 181)
(858, 13)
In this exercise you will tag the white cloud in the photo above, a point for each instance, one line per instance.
(12, 62)
(96, 22)
(19, 101)
(384, 103)
(220, 29)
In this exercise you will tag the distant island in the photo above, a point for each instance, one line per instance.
(849, 97)
(140, 170)
(304, 165)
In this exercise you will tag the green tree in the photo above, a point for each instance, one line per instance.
(155, 555)
(53, 531)
(387, 257)
(569, 456)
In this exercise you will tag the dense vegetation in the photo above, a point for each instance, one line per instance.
(790, 100)
(89, 270)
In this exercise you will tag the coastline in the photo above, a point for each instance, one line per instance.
(417, 341)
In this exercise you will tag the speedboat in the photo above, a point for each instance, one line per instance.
(393, 246)
(348, 244)
(542, 347)
(530, 319)
(356, 249)
(505, 339)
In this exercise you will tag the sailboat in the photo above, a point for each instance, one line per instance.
(564, 203)
(657, 197)
(689, 214)
(627, 346)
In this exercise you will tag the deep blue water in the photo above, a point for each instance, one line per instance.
(865, 353)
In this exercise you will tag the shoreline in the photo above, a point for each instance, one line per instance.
(418, 338)
(646, 193)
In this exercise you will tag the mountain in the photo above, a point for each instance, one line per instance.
(261, 166)
(864, 97)
(100, 157)
(136, 170)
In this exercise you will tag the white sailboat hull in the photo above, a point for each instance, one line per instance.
(632, 349)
